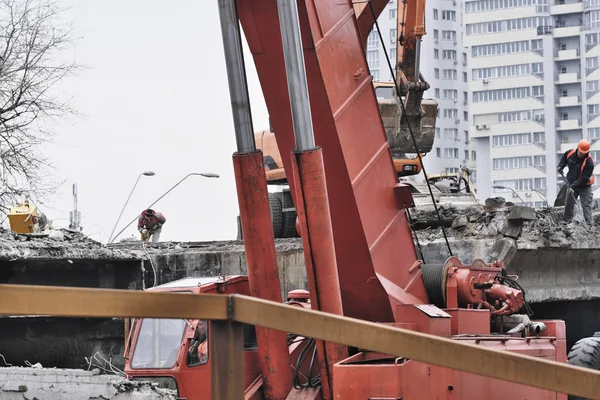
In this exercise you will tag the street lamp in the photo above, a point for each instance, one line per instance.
(147, 173)
(541, 194)
(204, 174)
(505, 187)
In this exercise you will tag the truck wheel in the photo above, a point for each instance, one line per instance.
(276, 203)
(289, 217)
(585, 353)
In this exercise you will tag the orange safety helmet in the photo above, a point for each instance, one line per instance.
(583, 146)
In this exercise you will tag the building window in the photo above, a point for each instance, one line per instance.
(465, 115)
(436, 54)
(466, 155)
(593, 110)
(437, 132)
(593, 133)
(393, 54)
(435, 14)
(435, 34)
(516, 184)
(448, 15)
(537, 91)
(449, 35)
(465, 97)
(539, 161)
(436, 73)
(449, 54)
(451, 153)
(501, 94)
(500, 48)
(539, 183)
(591, 40)
(375, 74)
(451, 170)
(506, 25)
(537, 44)
(473, 155)
(438, 152)
(537, 68)
(450, 113)
(515, 139)
(437, 93)
(450, 133)
(464, 58)
(450, 94)
(393, 36)
(489, 5)
(465, 77)
(539, 137)
(514, 116)
(592, 86)
(372, 40)
(501, 72)
(392, 13)
(373, 59)
(466, 137)
(449, 74)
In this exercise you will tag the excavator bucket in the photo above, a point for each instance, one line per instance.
(421, 118)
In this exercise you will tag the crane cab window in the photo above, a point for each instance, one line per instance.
(158, 343)
(198, 350)
(384, 92)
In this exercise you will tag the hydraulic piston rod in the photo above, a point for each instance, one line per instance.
(312, 202)
(255, 212)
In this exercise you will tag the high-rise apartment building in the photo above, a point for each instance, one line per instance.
(533, 85)
(443, 63)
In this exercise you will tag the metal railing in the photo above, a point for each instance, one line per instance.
(229, 312)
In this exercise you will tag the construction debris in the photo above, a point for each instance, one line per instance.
(73, 384)
(63, 243)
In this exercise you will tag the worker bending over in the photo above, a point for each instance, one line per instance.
(150, 224)
(580, 179)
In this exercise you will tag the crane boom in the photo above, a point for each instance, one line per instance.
(373, 243)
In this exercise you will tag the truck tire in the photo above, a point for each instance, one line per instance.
(276, 203)
(289, 218)
(585, 353)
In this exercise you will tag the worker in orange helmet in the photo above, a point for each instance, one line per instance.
(580, 179)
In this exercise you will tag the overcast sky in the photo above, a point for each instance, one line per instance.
(154, 96)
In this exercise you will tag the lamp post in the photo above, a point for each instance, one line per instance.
(204, 174)
(504, 187)
(147, 173)
(542, 195)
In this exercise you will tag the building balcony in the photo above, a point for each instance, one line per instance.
(569, 77)
(568, 124)
(567, 8)
(569, 101)
(566, 31)
(544, 30)
(564, 55)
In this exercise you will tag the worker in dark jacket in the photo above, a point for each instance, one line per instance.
(580, 179)
(150, 223)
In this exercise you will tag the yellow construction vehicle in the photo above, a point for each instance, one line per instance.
(24, 218)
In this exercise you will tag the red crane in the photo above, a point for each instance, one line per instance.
(360, 257)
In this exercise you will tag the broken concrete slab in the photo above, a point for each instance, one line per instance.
(522, 213)
(70, 384)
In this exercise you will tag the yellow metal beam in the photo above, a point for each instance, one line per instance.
(108, 303)
(435, 350)
(102, 303)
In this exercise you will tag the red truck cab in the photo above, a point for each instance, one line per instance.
(174, 352)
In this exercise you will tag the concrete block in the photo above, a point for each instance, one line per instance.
(64, 384)
(522, 213)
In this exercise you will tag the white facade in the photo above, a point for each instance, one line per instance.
(443, 63)
(533, 87)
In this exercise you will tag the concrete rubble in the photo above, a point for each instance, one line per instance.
(63, 243)
(72, 384)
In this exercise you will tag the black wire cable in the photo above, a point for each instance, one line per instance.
(412, 135)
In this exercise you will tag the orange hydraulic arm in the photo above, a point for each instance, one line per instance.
(411, 29)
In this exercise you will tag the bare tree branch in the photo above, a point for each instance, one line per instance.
(32, 42)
